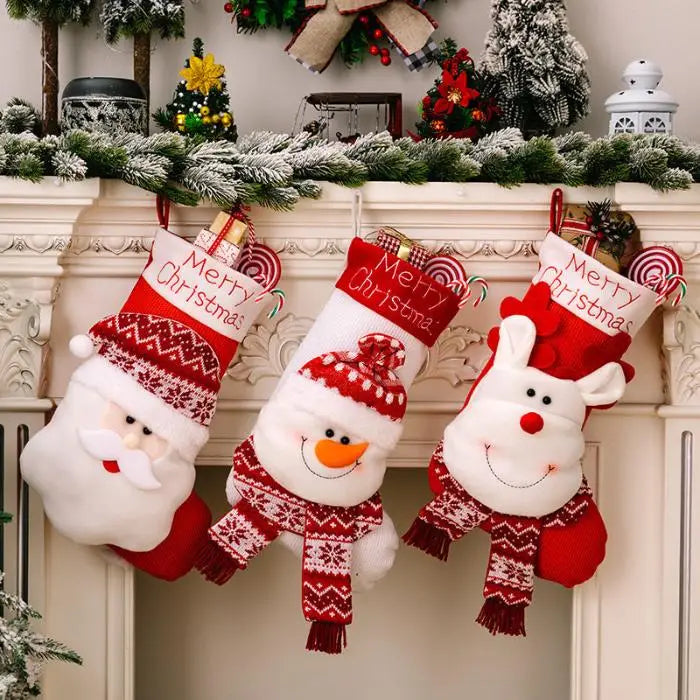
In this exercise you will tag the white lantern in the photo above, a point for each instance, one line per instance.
(642, 108)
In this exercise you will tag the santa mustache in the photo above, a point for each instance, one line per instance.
(135, 465)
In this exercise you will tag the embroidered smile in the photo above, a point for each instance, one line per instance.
(550, 469)
(323, 476)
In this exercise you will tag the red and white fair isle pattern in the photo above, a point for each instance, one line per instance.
(510, 576)
(165, 357)
(266, 509)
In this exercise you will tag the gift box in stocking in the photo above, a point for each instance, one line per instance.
(311, 470)
(115, 465)
(510, 462)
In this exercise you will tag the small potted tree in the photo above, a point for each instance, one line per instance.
(51, 15)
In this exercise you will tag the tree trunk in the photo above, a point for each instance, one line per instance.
(49, 97)
(142, 68)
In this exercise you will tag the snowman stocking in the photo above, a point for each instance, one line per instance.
(115, 465)
(510, 462)
(313, 465)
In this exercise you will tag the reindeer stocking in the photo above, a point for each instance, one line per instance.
(311, 470)
(115, 466)
(510, 462)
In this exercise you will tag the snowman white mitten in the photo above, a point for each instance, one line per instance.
(316, 458)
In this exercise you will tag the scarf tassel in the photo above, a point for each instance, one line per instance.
(328, 637)
(215, 564)
(432, 540)
(499, 618)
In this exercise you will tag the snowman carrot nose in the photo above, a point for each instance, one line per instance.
(336, 455)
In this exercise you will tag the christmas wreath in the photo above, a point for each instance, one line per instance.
(455, 105)
(354, 28)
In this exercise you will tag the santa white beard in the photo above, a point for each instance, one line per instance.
(284, 436)
(508, 469)
(84, 501)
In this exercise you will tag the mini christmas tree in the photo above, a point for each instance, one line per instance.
(200, 104)
(139, 19)
(51, 15)
(455, 105)
(534, 68)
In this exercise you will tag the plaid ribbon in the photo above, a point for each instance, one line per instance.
(418, 256)
(421, 58)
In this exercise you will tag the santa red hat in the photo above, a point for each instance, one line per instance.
(162, 356)
(360, 388)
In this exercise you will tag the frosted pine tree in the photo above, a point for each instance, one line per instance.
(51, 15)
(533, 67)
(139, 19)
(23, 651)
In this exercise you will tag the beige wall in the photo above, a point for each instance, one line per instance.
(413, 636)
(267, 86)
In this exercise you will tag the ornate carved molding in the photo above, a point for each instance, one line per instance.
(682, 355)
(21, 336)
(457, 357)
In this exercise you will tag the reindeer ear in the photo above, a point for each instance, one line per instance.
(605, 385)
(516, 338)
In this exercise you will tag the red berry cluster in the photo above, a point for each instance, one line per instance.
(375, 33)
(230, 8)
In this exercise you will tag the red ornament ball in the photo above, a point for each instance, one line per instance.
(246, 12)
(600, 235)
(373, 49)
(589, 220)
(228, 7)
(377, 33)
(427, 101)
(386, 60)
(384, 52)
(364, 19)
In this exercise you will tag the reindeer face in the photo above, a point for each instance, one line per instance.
(517, 445)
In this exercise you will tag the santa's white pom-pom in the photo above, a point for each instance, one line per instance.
(81, 346)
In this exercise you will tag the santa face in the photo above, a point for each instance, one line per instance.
(316, 458)
(104, 476)
(517, 445)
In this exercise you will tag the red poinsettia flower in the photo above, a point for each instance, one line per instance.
(453, 92)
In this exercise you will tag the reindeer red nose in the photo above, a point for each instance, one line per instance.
(531, 423)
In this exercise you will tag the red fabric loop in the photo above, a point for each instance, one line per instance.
(163, 211)
(556, 210)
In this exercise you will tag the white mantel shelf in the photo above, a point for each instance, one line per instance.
(69, 254)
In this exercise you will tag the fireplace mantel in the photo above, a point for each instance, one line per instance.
(70, 252)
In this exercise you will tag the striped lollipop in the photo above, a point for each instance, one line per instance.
(449, 272)
(262, 264)
(660, 269)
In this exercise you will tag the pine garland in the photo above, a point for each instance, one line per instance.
(276, 170)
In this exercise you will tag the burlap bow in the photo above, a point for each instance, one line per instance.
(318, 38)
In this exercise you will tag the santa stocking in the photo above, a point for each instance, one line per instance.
(313, 465)
(510, 462)
(115, 466)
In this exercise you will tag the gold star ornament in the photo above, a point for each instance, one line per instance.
(203, 74)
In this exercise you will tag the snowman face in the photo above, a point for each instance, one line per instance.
(104, 477)
(318, 459)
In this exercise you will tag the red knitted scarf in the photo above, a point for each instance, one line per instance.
(510, 575)
(265, 510)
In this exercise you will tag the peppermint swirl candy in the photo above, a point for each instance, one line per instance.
(262, 264)
(449, 272)
(661, 270)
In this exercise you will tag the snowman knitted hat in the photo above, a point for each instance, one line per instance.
(360, 387)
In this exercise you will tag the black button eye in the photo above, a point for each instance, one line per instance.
(530, 392)
(147, 431)
(546, 400)
(130, 420)
(345, 440)
(330, 433)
